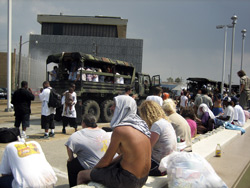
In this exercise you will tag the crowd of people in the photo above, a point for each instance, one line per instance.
(140, 136)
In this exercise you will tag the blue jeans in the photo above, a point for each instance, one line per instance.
(6, 181)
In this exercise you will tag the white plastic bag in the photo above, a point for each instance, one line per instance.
(189, 170)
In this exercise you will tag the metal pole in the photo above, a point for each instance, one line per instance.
(242, 49)
(234, 18)
(19, 62)
(9, 32)
(224, 61)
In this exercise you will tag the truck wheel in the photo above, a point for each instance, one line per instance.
(106, 114)
(91, 107)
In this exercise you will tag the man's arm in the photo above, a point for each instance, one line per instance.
(70, 154)
(112, 149)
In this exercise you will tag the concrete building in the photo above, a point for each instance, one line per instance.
(98, 35)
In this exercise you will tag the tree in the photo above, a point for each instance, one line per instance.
(177, 80)
(170, 80)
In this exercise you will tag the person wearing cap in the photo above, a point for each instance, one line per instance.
(239, 116)
(228, 115)
(88, 144)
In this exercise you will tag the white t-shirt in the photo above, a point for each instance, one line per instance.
(239, 115)
(183, 100)
(229, 111)
(167, 142)
(69, 114)
(89, 145)
(155, 98)
(28, 165)
(44, 97)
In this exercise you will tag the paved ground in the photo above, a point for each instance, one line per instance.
(230, 167)
(53, 148)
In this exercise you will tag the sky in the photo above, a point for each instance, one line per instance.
(180, 38)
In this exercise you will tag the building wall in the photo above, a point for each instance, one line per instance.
(3, 70)
(129, 50)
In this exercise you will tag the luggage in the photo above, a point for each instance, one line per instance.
(9, 134)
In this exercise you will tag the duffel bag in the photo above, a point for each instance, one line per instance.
(9, 134)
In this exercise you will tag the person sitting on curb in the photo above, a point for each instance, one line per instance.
(131, 139)
(228, 115)
(239, 115)
(24, 165)
(179, 124)
(163, 138)
(204, 115)
(89, 144)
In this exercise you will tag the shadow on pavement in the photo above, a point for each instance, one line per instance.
(63, 186)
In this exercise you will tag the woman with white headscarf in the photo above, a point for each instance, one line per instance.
(204, 114)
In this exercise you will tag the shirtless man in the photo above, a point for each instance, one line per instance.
(130, 139)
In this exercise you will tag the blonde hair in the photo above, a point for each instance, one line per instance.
(151, 112)
(169, 106)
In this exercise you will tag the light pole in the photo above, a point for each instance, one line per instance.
(224, 54)
(234, 18)
(20, 60)
(242, 49)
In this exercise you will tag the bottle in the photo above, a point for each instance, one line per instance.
(218, 151)
(178, 139)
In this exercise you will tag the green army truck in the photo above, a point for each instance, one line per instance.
(96, 97)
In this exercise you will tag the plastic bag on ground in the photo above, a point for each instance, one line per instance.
(187, 169)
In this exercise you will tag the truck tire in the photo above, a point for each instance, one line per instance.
(106, 114)
(91, 107)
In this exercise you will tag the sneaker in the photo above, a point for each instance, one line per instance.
(51, 134)
(45, 136)
(64, 131)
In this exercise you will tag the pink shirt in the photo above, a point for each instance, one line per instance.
(193, 126)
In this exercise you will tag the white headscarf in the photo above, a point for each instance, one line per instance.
(125, 115)
(205, 109)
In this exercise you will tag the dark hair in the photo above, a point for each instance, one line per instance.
(24, 83)
(127, 88)
(157, 90)
(204, 91)
(72, 85)
(55, 67)
(89, 120)
(241, 73)
(45, 82)
(185, 92)
(188, 112)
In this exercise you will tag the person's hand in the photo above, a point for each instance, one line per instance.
(29, 89)
(41, 90)
(70, 159)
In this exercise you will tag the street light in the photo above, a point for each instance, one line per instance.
(19, 61)
(234, 18)
(224, 54)
(242, 49)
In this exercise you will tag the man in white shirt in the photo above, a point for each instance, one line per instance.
(156, 96)
(25, 165)
(69, 111)
(228, 115)
(48, 113)
(239, 116)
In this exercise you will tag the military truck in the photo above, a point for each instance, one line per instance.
(97, 97)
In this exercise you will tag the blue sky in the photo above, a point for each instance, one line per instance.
(180, 36)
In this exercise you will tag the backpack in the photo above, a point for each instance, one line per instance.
(9, 134)
(54, 99)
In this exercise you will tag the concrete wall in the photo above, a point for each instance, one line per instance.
(129, 50)
(3, 70)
